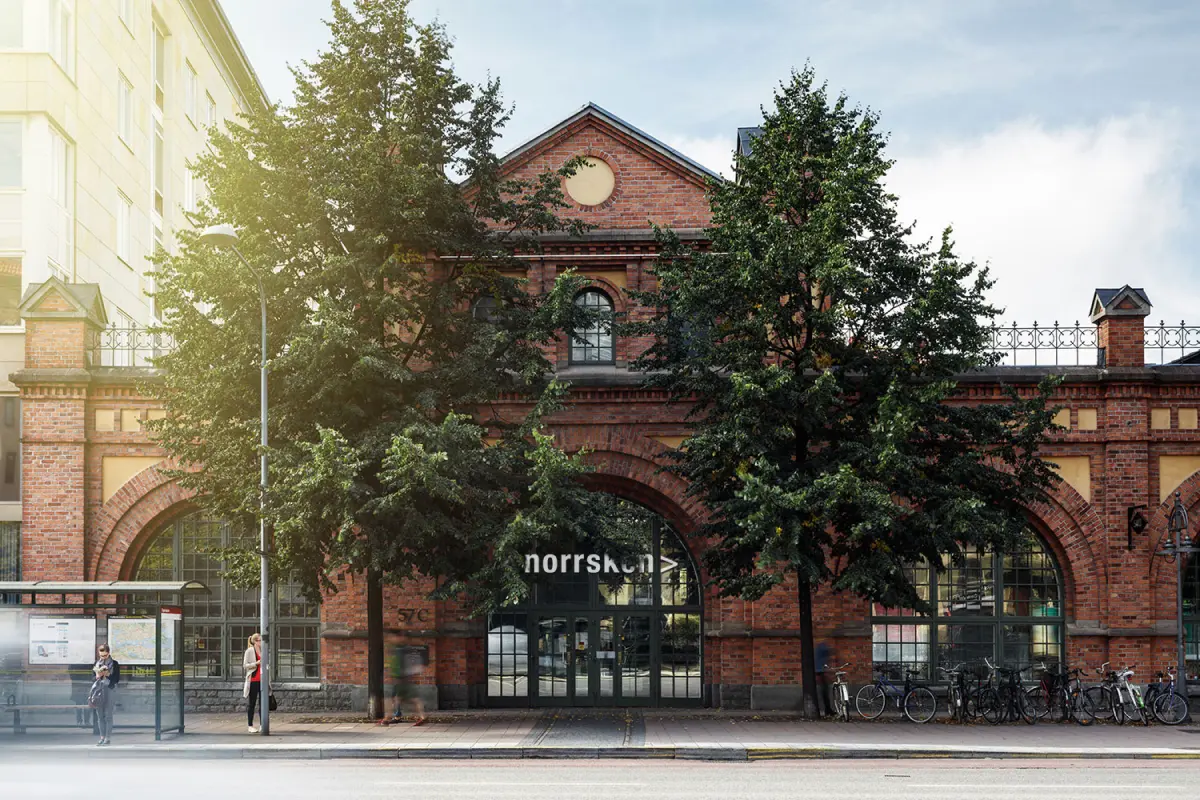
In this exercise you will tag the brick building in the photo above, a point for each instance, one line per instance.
(1085, 588)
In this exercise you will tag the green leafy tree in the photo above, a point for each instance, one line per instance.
(393, 325)
(820, 348)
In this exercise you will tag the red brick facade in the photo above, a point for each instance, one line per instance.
(1118, 601)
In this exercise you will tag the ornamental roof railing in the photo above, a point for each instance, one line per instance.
(1076, 345)
(1018, 346)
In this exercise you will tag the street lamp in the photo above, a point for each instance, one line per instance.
(1178, 545)
(224, 235)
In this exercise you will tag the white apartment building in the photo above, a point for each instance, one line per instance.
(102, 105)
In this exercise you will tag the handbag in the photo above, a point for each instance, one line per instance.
(271, 704)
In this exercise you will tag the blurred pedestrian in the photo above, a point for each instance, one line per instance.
(407, 664)
(822, 658)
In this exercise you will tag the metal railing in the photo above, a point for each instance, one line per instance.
(1077, 345)
(1034, 345)
(131, 346)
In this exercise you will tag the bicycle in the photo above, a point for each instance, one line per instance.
(840, 691)
(1127, 700)
(958, 698)
(1008, 701)
(1168, 706)
(1059, 688)
(1098, 700)
(915, 701)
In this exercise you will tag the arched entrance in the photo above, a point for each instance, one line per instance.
(603, 630)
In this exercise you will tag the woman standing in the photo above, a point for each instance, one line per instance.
(108, 675)
(252, 691)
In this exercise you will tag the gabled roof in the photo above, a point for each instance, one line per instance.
(596, 112)
(82, 300)
(745, 139)
(1124, 302)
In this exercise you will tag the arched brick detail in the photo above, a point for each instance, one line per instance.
(1162, 570)
(136, 512)
(1074, 532)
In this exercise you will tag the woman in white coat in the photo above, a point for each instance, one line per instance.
(252, 691)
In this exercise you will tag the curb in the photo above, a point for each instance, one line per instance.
(726, 754)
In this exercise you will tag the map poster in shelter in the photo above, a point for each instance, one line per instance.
(62, 640)
(132, 640)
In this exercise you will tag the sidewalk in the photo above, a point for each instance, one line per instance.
(708, 735)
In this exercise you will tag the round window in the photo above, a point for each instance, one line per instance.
(592, 183)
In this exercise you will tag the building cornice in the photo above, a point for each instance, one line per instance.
(211, 23)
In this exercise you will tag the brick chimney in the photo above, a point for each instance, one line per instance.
(1120, 316)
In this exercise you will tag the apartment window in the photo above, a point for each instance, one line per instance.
(61, 246)
(10, 290)
(190, 91)
(158, 57)
(157, 168)
(61, 39)
(189, 191)
(14, 24)
(210, 116)
(124, 228)
(10, 450)
(125, 11)
(10, 154)
(124, 109)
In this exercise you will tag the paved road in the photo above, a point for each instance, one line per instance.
(42, 779)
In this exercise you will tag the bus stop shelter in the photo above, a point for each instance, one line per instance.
(49, 632)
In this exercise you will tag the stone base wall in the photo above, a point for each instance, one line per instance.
(227, 697)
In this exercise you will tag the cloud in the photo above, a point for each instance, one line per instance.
(1059, 212)
(714, 152)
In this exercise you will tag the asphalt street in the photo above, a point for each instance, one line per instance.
(175, 779)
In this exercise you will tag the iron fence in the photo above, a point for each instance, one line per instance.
(1033, 345)
(131, 346)
(1077, 345)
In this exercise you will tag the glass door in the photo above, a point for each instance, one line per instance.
(634, 660)
(567, 673)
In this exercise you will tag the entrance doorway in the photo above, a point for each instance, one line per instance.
(627, 633)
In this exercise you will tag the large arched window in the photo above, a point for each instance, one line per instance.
(593, 344)
(1006, 607)
(217, 624)
(1191, 614)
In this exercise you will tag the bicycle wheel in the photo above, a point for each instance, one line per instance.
(1074, 705)
(839, 707)
(1098, 702)
(1128, 709)
(870, 701)
(990, 707)
(1170, 708)
(920, 705)
(1025, 706)
(1040, 701)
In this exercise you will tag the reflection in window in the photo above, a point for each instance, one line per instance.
(1025, 627)
(217, 624)
(1191, 615)
(593, 344)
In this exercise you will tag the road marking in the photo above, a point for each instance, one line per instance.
(477, 784)
(1112, 788)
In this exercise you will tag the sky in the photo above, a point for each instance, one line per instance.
(1058, 138)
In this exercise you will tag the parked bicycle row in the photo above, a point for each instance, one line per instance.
(997, 694)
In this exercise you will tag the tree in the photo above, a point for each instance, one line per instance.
(393, 324)
(819, 348)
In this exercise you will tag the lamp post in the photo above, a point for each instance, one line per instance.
(225, 236)
(1178, 545)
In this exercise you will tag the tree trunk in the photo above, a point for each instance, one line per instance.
(375, 693)
(808, 687)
